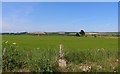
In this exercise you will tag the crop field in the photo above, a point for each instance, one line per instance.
(52, 42)
(27, 53)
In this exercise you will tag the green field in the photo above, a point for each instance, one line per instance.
(69, 42)
(39, 52)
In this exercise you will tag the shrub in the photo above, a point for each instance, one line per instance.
(12, 59)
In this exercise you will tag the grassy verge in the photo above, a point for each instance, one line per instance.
(40, 60)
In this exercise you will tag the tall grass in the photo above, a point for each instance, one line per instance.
(26, 53)
(44, 60)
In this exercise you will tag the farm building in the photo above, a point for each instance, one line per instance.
(61, 33)
(92, 33)
(38, 33)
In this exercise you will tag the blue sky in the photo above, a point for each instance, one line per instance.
(59, 0)
(59, 16)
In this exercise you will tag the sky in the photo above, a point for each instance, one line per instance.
(59, 16)
(60, 0)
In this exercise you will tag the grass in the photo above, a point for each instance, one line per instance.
(52, 42)
(38, 53)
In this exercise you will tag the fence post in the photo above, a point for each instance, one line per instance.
(62, 61)
(61, 52)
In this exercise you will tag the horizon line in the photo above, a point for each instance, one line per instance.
(56, 31)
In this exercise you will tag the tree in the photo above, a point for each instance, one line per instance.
(77, 34)
(95, 35)
(82, 33)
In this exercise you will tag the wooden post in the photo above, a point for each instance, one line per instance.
(61, 52)
(62, 61)
(4, 50)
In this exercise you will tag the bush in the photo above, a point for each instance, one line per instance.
(77, 34)
(43, 60)
(12, 59)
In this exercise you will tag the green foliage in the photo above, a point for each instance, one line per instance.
(77, 34)
(38, 54)
(101, 60)
(52, 42)
(82, 33)
(12, 58)
(42, 61)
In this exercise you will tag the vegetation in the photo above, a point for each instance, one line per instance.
(77, 34)
(25, 53)
(82, 33)
(115, 34)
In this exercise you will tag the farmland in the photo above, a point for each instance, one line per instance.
(52, 42)
(39, 53)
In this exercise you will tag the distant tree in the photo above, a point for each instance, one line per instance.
(82, 33)
(77, 34)
(95, 35)
(23, 32)
(85, 35)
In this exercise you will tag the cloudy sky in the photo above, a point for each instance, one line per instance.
(59, 16)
